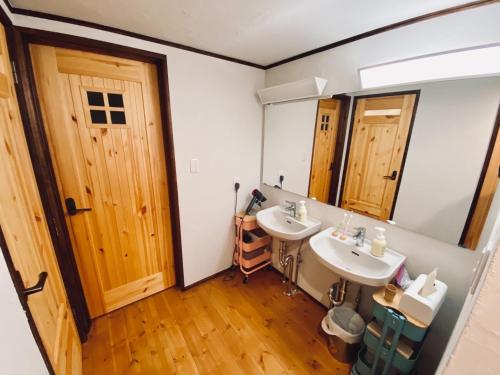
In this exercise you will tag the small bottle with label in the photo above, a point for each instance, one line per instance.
(301, 211)
(379, 243)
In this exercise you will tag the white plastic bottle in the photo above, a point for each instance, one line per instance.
(379, 243)
(301, 211)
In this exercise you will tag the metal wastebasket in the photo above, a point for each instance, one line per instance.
(344, 328)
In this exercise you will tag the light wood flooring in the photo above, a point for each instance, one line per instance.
(218, 327)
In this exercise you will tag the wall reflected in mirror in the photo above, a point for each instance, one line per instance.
(424, 156)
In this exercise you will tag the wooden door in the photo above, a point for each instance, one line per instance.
(379, 137)
(102, 119)
(325, 136)
(24, 226)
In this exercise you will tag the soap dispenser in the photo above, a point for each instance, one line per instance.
(379, 243)
(301, 211)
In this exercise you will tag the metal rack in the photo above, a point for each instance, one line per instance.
(252, 246)
(392, 340)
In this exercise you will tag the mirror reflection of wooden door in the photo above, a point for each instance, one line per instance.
(325, 136)
(379, 139)
(102, 119)
(24, 227)
(485, 192)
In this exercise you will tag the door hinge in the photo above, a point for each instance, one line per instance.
(14, 72)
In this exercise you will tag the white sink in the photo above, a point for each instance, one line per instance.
(278, 223)
(355, 263)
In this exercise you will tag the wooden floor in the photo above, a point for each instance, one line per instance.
(218, 327)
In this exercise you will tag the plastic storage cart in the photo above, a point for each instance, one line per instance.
(392, 340)
(252, 244)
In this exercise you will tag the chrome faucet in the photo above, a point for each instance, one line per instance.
(291, 208)
(359, 236)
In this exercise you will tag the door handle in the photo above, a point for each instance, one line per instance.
(71, 207)
(392, 176)
(38, 287)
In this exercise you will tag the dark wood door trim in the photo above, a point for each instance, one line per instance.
(45, 177)
(41, 159)
(397, 25)
(345, 104)
(482, 176)
(409, 21)
(405, 154)
(115, 30)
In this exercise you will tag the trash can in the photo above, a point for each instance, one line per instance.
(345, 328)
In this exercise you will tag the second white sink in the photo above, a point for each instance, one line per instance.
(355, 263)
(278, 223)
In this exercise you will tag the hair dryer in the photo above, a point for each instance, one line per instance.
(257, 198)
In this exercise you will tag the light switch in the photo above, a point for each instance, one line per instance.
(194, 166)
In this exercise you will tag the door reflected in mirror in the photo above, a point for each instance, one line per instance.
(424, 156)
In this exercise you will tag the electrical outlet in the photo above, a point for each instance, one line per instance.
(236, 180)
(194, 166)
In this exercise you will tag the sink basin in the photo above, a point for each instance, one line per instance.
(355, 263)
(278, 223)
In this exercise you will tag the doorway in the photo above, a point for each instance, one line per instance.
(380, 132)
(102, 120)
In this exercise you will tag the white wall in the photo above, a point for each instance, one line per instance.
(19, 354)
(288, 143)
(217, 119)
(455, 269)
(340, 65)
(450, 138)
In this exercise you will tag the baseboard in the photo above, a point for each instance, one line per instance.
(184, 288)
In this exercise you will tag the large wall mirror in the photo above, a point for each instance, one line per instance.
(424, 157)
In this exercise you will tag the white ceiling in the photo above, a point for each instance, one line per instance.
(258, 31)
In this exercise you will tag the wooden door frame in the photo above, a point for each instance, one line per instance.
(403, 161)
(482, 176)
(345, 104)
(41, 159)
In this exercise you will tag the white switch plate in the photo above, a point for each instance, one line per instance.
(194, 166)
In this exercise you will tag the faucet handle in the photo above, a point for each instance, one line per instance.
(359, 230)
(291, 203)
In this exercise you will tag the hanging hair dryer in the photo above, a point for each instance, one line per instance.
(257, 198)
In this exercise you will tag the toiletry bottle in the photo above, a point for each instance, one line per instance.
(301, 211)
(340, 227)
(379, 243)
(345, 230)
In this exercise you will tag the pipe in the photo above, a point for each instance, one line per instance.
(283, 250)
(289, 267)
(338, 292)
(298, 262)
